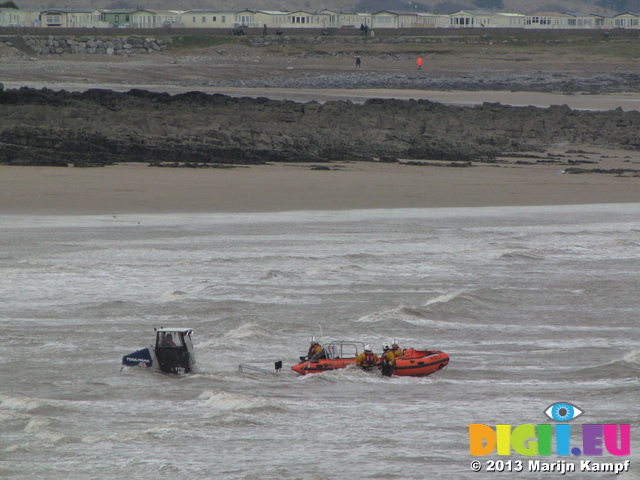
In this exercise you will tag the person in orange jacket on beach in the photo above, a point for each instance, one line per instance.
(419, 63)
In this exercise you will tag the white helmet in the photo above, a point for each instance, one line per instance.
(386, 346)
(367, 348)
(313, 340)
(394, 343)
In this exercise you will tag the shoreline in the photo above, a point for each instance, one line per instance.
(136, 188)
(139, 189)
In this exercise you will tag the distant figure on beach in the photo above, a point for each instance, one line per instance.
(357, 62)
(364, 29)
(419, 63)
(264, 29)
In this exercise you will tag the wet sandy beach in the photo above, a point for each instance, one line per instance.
(137, 188)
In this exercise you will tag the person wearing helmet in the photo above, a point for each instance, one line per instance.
(367, 360)
(387, 354)
(387, 360)
(315, 349)
(395, 348)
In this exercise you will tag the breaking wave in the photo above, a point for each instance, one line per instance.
(633, 358)
(239, 334)
(626, 367)
(44, 433)
(462, 302)
(19, 403)
(444, 298)
(41, 428)
(246, 330)
(222, 403)
(399, 314)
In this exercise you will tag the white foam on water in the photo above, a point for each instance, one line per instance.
(223, 403)
(444, 298)
(19, 403)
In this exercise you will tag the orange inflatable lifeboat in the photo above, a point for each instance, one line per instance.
(420, 363)
(334, 356)
(340, 354)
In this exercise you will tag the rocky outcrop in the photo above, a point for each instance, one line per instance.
(99, 127)
(122, 46)
(620, 172)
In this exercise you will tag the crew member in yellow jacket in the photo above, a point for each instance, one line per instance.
(367, 360)
(387, 360)
(387, 354)
(395, 348)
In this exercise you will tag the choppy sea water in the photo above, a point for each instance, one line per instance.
(535, 306)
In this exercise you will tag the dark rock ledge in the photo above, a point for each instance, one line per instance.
(102, 127)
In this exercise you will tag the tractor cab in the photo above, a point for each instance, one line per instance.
(171, 353)
(174, 350)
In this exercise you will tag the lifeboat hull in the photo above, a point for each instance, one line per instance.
(420, 363)
(322, 365)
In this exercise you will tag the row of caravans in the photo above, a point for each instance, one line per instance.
(278, 20)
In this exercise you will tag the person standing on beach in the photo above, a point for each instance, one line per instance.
(357, 62)
(419, 63)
